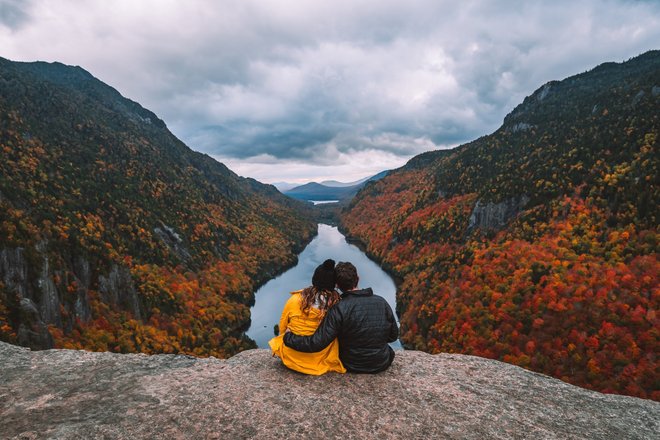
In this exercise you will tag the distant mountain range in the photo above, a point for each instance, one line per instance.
(337, 184)
(284, 186)
(331, 189)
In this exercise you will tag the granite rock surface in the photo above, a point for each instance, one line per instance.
(66, 394)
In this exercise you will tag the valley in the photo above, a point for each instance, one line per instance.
(535, 245)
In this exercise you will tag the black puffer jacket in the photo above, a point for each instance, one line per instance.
(364, 324)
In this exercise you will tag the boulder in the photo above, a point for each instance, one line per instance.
(75, 394)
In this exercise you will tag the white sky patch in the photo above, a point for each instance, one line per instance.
(350, 167)
(308, 84)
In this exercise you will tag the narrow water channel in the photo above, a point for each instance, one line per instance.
(329, 243)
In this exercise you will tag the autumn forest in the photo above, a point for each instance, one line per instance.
(536, 245)
(116, 236)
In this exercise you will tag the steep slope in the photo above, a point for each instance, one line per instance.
(114, 235)
(251, 395)
(537, 244)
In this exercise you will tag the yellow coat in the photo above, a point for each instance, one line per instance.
(304, 324)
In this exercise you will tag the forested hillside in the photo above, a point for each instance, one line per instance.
(114, 235)
(537, 244)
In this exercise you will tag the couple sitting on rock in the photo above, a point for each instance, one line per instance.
(321, 330)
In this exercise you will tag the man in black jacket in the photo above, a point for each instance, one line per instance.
(363, 322)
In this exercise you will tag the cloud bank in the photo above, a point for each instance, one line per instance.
(327, 89)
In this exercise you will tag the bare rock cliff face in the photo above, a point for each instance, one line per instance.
(41, 300)
(496, 215)
(74, 394)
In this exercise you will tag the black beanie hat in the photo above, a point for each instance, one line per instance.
(324, 275)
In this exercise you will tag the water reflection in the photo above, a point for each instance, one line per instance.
(330, 243)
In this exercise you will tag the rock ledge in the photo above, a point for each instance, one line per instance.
(77, 394)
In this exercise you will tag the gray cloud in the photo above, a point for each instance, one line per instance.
(323, 82)
(13, 13)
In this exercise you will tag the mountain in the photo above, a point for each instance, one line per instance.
(445, 396)
(337, 184)
(284, 186)
(357, 182)
(114, 235)
(537, 244)
(317, 191)
(334, 191)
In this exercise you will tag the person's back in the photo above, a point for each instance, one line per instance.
(362, 322)
(301, 315)
(368, 325)
(304, 322)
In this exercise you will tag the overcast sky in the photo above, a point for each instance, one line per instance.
(299, 90)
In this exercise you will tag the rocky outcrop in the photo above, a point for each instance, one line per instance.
(39, 300)
(520, 126)
(32, 331)
(118, 288)
(83, 278)
(49, 300)
(543, 92)
(638, 97)
(72, 394)
(496, 215)
(13, 271)
(173, 241)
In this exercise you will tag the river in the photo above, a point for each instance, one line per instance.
(329, 243)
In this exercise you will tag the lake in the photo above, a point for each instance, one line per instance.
(329, 243)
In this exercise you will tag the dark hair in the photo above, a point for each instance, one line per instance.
(347, 277)
(323, 298)
(324, 275)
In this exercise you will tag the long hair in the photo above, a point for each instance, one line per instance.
(321, 298)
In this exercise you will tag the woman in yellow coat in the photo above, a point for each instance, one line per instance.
(302, 314)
